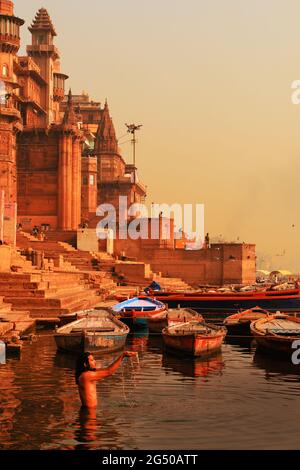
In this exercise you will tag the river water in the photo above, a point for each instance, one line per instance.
(237, 400)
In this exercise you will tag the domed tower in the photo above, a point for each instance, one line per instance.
(111, 165)
(46, 55)
(10, 117)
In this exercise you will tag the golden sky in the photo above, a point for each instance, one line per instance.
(210, 80)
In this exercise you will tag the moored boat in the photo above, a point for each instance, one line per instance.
(137, 310)
(239, 323)
(276, 333)
(158, 321)
(224, 302)
(100, 333)
(66, 318)
(195, 338)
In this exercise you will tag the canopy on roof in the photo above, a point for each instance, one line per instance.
(281, 272)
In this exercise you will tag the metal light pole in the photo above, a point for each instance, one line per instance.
(131, 129)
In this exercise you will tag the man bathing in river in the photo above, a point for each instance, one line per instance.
(87, 376)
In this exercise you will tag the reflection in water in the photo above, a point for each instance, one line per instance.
(247, 342)
(155, 344)
(276, 365)
(138, 340)
(88, 428)
(193, 367)
(8, 404)
(229, 401)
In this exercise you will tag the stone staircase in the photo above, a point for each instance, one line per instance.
(52, 249)
(172, 283)
(13, 322)
(47, 295)
(97, 267)
(106, 262)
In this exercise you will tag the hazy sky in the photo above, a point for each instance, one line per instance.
(210, 80)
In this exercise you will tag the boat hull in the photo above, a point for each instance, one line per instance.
(135, 322)
(159, 321)
(268, 341)
(194, 345)
(274, 346)
(90, 343)
(136, 311)
(288, 301)
(99, 333)
(238, 329)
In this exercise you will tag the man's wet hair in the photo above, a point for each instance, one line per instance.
(82, 365)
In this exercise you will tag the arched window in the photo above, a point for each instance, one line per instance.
(4, 70)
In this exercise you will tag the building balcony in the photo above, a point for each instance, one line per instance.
(9, 43)
(58, 94)
(48, 49)
(8, 111)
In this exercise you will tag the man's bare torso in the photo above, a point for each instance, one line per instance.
(87, 390)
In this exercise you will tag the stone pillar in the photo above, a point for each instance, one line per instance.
(65, 183)
(2, 201)
(69, 184)
(76, 181)
(8, 161)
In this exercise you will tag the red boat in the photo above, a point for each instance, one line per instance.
(194, 338)
(159, 321)
(272, 300)
(239, 323)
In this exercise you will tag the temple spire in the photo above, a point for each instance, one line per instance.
(70, 117)
(106, 134)
(42, 22)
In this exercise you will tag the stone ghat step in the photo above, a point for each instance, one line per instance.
(25, 277)
(79, 253)
(20, 315)
(5, 327)
(42, 293)
(80, 262)
(54, 248)
(19, 285)
(40, 276)
(5, 308)
(61, 301)
(42, 286)
(62, 236)
(54, 312)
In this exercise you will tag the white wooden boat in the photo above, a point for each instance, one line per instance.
(99, 332)
(276, 333)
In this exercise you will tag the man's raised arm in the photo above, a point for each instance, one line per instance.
(102, 373)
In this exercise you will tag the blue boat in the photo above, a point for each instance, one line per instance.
(136, 311)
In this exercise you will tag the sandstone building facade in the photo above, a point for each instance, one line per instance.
(46, 167)
(60, 158)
